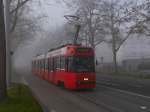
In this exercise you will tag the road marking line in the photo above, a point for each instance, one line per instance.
(53, 110)
(137, 86)
(143, 107)
(127, 92)
(108, 83)
(102, 104)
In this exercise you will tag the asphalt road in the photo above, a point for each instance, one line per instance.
(104, 98)
(126, 83)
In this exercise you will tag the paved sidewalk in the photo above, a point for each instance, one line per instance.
(55, 99)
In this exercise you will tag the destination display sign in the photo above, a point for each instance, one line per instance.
(83, 49)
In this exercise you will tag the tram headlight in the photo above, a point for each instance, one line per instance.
(86, 79)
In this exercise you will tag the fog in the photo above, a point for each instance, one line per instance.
(52, 25)
(24, 54)
(44, 40)
(135, 48)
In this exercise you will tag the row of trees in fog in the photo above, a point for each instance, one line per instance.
(21, 26)
(111, 21)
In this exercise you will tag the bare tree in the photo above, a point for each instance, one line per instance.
(142, 18)
(23, 27)
(15, 7)
(88, 12)
(110, 21)
(117, 24)
(25, 31)
(90, 16)
(20, 28)
(3, 92)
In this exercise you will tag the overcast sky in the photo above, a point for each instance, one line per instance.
(55, 11)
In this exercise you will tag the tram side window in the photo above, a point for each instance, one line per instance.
(43, 64)
(62, 63)
(46, 64)
(69, 64)
(55, 63)
(34, 64)
(49, 65)
(40, 64)
(37, 64)
(58, 63)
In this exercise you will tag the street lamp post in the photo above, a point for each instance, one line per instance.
(7, 30)
(3, 87)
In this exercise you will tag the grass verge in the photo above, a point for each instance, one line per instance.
(19, 99)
